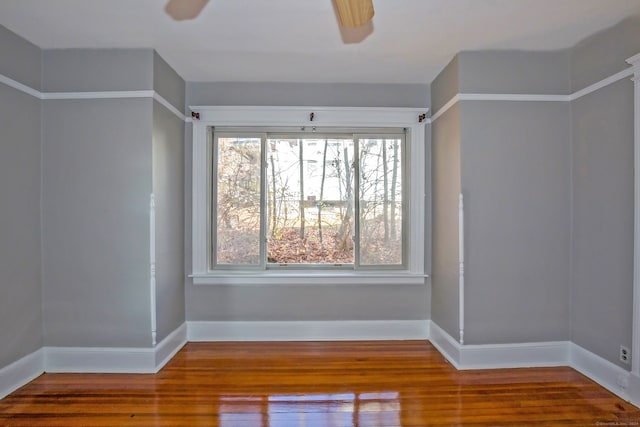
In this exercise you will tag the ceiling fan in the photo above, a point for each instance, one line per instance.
(351, 13)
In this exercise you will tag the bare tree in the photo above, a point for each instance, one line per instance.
(385, 193)
(274, 211)
(394, 183)
(345, 227)
(301, 169)
(321, 202)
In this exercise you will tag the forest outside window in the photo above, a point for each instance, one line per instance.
(300, 199)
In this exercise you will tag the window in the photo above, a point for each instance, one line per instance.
(327, 198)
(343, 198)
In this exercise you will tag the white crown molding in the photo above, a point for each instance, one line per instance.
(19, 86)
(634, 61)
(453, 101)
(356, 330)
(117, 94)
(110, 94)
(602, 83)
(20, 372)
(514, 97)
(538, 98)
(169, 106)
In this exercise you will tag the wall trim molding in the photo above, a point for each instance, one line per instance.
(113, 359)
(110, 94)
(169, 106)
(619, 381)
(99, 360)
(531, 97)
(602, 83)
(498, 356)
(339, 330)
(19, 86)
(169, 346)
(608, 375)
(21, 372)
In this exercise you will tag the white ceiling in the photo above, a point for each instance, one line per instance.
(299, 40)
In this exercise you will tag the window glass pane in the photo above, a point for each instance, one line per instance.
(380, 201)
(238, 201)
(310, 200)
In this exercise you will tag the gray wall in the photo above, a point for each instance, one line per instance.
(515, 72)
(96, 184)
(446, 189)
(309, 94)
(303, 302)
(603, 173)
(445, 86)
(20, 60)
(167, 83)
(602, 285)
(516, 180)
(168, 188)
(101, 161)
(604, 54)
(90, 70)
(20, 261)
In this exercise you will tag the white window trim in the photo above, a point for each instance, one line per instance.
(301, 116)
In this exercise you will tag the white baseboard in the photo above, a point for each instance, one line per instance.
(445, 344)
(115, 360)
(99, 360)
(516, 355)
(608, 375)
(496, 356)
(538, 354)
(169, 346)
(20, 372)
(633, 391)
(490, 356)
(356, 330)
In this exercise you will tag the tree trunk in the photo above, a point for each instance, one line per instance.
(394, 184)
(385, 194)
(301, 168)
(321, 201)
(345, 228)
(274, 197)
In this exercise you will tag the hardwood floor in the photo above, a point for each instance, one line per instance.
(323, 384)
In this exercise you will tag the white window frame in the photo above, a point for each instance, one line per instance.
(235, 116)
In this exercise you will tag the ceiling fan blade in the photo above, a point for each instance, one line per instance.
(354, 13)
(181, 10)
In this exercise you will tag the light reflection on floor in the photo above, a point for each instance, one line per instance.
(340, 409)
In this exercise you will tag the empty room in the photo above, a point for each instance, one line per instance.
(321, 213)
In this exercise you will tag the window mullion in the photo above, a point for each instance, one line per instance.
(263, 202)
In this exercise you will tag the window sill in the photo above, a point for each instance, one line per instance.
(374, 278)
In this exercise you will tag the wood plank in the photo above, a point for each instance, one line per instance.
(323, 384)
